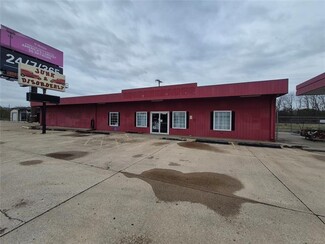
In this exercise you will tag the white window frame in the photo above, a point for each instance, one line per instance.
(110, 116)
(174, 127)
(230, 121)
(136, 120)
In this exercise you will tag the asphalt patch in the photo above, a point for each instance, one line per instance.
(216, 191)
(199, 146)
(67, 155)
(31, 162)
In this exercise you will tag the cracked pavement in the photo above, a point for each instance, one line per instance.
(68, 187)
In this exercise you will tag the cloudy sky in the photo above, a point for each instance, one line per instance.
(114, 45)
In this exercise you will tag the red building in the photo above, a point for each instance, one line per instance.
(313, 86)
(238, 111)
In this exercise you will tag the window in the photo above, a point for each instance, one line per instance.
(141, 119)
(179, 120)
(114, 119)
(222, 120)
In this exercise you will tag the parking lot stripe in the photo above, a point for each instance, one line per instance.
(318, 216)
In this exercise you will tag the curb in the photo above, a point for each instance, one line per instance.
(213, 141)
(199, 140)
(313, 149)
(259, 144)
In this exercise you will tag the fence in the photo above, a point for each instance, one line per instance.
(298, 123)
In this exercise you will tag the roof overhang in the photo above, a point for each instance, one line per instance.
(313, 86)
(185, 91)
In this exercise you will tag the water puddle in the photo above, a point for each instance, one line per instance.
(174, 186)
(31, 162)
(67, 155)
(199, 146)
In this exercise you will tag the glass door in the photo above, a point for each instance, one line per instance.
(155, 123)
(164, 123)
(159, 123)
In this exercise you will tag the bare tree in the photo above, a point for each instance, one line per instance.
(321, 101)
(299, 102)
(279, 103)
(306, 101)
(314, 102)
(289, 101)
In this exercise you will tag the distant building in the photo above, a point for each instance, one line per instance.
(238, 111)
(20, 114)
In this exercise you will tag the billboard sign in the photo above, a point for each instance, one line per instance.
(33, 76)
(9, 63)
(16, 41)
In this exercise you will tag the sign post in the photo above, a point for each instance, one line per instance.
(44, 115)
(35, 77)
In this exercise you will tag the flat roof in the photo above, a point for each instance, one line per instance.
(185, 91)
(313, 86)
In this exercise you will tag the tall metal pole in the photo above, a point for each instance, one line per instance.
(44, 115)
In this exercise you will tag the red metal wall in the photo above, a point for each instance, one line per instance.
(254, 116)
(74, 116)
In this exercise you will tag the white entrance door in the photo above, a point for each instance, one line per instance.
(159, 122)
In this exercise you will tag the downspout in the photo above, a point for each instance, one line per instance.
(272, 120)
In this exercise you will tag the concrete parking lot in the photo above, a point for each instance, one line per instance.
(69, 187)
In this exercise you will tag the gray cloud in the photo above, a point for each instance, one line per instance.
(114, 45)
